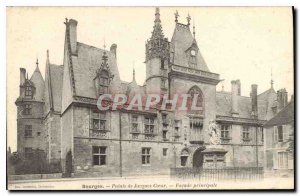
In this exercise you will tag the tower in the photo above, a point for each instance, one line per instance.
(30, 104)
(157, 59)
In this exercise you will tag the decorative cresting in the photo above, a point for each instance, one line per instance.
(158, 46)
(104, 76)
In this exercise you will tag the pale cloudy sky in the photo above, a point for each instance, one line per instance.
(238, 43)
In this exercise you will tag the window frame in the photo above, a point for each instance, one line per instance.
(103, 86)
(100, 120)
(148, 124)
(28, 91)
(225, 131)
(28, 128)
(100, 155)
(146, 156)
(134, 123)
(27, 109)
(165, 152)
(246, 132)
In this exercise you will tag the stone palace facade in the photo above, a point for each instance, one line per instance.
(59, 114)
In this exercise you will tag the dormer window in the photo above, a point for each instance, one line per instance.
(104, 82)
(28, 91)
(192, 58)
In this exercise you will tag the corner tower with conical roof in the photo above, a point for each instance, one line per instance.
(30, 108)
(157, 59)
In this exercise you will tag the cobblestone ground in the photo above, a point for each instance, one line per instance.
(146, 183)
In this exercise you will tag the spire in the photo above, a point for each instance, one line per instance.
(37, 66)
(48, 60)
(194, 32)
(176, 16)
(104, 56)
(157, 29)
(188, 18)
(272, 82)
(133, 73)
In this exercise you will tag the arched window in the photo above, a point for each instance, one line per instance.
(104, 82)
(196, 93)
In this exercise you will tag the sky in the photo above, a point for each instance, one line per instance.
(243, 43)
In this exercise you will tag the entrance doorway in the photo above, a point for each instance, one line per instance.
(198, 158)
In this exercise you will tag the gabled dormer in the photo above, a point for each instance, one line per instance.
(103, 77)
(191, 54)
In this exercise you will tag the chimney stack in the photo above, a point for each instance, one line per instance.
(73, 35)
(22, 76)
(281, 99)
(113, 49)
(254, 110)
(234, 97)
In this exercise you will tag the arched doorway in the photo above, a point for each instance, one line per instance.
(198, 158)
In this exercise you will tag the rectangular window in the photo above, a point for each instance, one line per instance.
(246, 133)
(146, 156)
(225, 131)
(282, 160)
(162, 64)
(183, 160)
(280, 133)
(165, 151)
(134, 124)
(149, 125)
(99, 121)
(28, 91)
(99, 155)
(28, 153)
(28, 131)
(164, 119)
(38, 133)
(165, 135)
(27, 109)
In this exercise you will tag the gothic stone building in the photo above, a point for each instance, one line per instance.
(59, 114)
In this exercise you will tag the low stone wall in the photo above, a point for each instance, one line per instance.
(34, 176)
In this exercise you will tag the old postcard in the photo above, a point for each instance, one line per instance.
(150, 98)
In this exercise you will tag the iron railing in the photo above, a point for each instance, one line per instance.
(216, 174)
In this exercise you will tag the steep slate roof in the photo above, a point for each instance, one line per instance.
(89, 60)
(181, 41)
(39, 84)
(223, 106)
(285, 116)
(265, 95)
(56, 76)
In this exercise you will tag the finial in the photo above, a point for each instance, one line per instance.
(157, 15)
(133, 73)
(194, 32)
(157, 10)
(176, 16)
(47, 60)
(188, 19)
(37, 62)
(272, 81)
